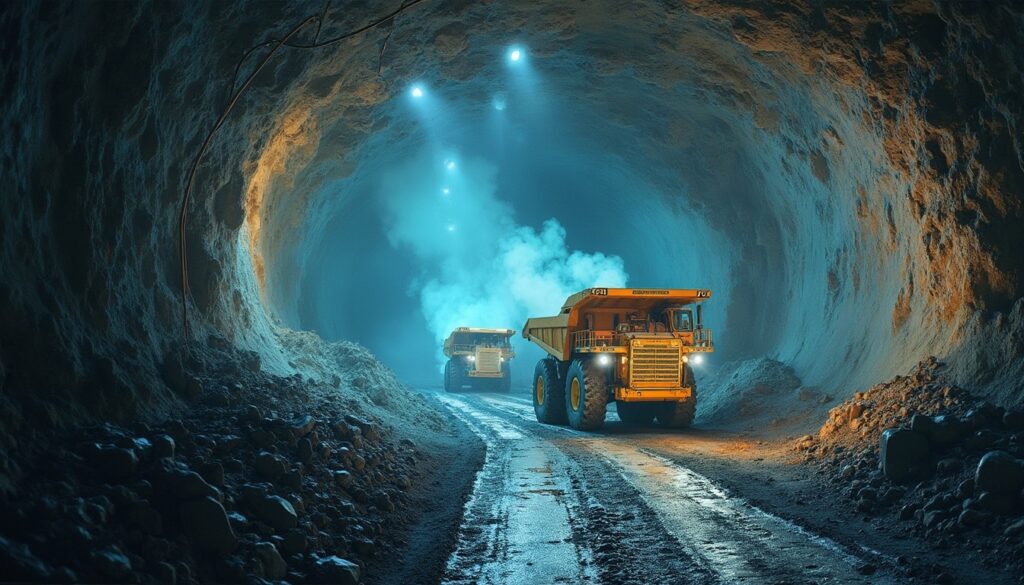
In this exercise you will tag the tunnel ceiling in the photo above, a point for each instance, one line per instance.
(847, 179)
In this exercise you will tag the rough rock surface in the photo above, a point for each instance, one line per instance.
(956, 477)
(161, 515)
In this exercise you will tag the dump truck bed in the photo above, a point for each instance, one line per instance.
(552, 333)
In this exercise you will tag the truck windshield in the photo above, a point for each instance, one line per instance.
(484, 339)
(682, 320)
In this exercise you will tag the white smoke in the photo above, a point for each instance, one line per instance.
(480, 268)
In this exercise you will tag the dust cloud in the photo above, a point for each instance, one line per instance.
(478, 266)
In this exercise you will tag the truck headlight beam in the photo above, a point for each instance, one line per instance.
(603, 359)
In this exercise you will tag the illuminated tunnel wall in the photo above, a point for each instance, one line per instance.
(847, 179)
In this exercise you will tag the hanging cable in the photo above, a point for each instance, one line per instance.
(234, 97)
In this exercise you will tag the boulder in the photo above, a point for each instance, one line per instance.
(274, 566)
(1015, 529)
(1000, 473)
(228, 443)
(334, 570)
(269, 465)
(946, 431)
(189, 485)
(163, 446)
(904, 454)
(342, 478)
(302, 426)
(276, 512)
(971, 517)
(252, 414)
(1001, 504)
(206, 524)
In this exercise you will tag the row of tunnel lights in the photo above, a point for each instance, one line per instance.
(515, 55)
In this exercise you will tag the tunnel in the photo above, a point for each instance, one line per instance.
(267, 213)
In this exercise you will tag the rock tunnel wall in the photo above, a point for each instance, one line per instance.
(861, 164)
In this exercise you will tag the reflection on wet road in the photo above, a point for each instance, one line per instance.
(554, 505)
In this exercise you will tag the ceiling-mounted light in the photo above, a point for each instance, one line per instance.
(515, 55)
(416, 91)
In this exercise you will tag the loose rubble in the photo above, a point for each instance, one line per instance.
(302, 491)
(923, 457)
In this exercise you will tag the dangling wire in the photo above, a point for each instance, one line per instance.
(233, 100)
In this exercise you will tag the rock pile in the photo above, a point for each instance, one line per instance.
(235, 493)
(931, 459)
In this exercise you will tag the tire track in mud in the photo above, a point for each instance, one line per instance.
(723, 535)
(519, 523)
(624, 535)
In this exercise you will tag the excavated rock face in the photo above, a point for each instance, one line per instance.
(853, 172)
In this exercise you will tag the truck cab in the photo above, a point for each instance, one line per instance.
(478, 358)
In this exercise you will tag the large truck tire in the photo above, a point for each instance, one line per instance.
(679, 415)
(457, 375)
(586, 395)
(505, 385)
(448, 376)
(637, 413)
(548, 393)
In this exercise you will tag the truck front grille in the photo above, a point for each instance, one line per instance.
(656, 364)
(488, 360)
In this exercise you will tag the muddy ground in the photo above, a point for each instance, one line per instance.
(629, 505)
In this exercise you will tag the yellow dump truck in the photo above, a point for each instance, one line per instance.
(634, 346)
(479, 359)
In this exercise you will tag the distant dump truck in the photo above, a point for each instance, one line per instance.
(629, 345)
(479, 359)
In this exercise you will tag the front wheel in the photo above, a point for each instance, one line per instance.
(548, 393)
(586, 395)
(506, 381)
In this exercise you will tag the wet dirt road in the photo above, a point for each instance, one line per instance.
(555, 505)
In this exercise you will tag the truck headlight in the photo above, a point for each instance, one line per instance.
(603, 359)
(471, 358)
(698, 359)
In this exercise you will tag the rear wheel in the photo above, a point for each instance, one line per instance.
(456, 375)
(548, 393)
(637, 413)
(586, 395)
(679, 414)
